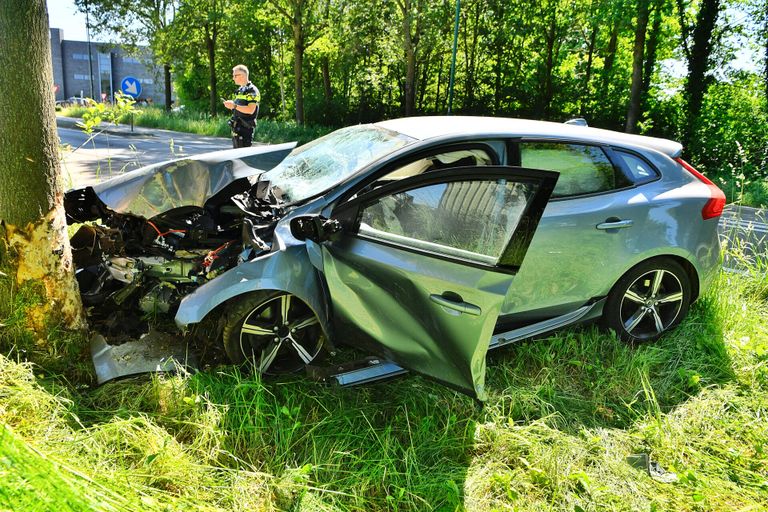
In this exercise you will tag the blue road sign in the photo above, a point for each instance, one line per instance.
(131, 86)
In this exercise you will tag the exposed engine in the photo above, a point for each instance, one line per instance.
(143, 267)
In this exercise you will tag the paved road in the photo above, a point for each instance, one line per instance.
(117, 150)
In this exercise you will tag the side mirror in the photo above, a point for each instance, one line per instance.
(315, 228)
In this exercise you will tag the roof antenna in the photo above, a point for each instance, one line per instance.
(577, 121)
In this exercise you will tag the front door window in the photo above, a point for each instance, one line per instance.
(470, 220)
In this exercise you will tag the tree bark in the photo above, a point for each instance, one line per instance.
(471, 59)
(327, 90)
(409, 51)
(584, 100)
(546, 89)
(651, 48)
(610, 56)
(34, 247)
(698, 63)
(636, 89)
(210, 45)
(167, 82)
(765, 42)
(298, 63)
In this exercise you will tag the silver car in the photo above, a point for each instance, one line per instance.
(423, 241)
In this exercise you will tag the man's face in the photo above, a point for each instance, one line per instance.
(239, 77)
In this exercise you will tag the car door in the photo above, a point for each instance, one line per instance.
(423, 265)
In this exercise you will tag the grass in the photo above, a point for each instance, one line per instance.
(566, 417)
(267, 130)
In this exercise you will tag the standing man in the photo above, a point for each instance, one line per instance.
(244, 107)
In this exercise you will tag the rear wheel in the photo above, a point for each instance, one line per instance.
(649, 300)
(273, 332)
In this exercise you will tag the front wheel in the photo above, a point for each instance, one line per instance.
(650, 299)
(273, 332)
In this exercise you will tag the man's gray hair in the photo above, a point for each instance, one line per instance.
(241, 67)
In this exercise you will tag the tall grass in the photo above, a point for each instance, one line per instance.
(201, 123)
(566, 417)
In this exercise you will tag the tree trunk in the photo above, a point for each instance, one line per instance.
(298, 66)
(765, 42)
(610, 56)
(327, 91)
(471, 60)
(635, 93)
(497, 82)
(585, 96)
(440, 60)
(167, 78)
(210, 45)
(425, 69)
(698, 64)
(651, 48)
(546, 89)
(34, 247)
(409, 51)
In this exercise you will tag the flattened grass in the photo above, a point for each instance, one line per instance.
(565, 417)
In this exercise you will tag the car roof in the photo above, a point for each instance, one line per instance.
(429, 127)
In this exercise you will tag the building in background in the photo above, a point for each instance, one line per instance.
(111, 64)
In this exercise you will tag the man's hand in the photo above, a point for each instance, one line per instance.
(229, 104)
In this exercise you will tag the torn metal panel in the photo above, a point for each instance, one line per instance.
(153, 352)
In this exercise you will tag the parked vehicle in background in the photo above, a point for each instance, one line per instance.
(425, 241)
(75, 101)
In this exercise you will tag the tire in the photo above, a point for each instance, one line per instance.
(649, 300)
(273, 333)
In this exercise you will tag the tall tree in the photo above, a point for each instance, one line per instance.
(34, 248)
(636, 89)
(301, 16)
(135, 23)
(551, 33)
(411, 12)
(697, 45)
(201, 19)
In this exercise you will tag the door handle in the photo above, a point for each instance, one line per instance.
(614, 223)
(456, 305)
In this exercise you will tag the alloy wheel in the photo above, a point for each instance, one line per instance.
(280, 335)
(651, 304)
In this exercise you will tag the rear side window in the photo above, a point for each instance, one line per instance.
(639, 170)
(583, 169)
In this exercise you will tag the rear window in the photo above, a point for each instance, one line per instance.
(583, 169)
(639, 170)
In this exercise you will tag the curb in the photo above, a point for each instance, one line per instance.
(121, 129)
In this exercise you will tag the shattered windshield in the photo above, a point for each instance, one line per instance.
(327, 161)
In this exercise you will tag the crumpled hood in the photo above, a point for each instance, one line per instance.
(158, 188)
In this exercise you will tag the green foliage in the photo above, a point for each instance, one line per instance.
(733, 130)
(546, 60)
(96, 113)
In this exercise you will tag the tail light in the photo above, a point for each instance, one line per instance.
(714, 206)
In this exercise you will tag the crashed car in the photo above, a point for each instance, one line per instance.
(423, 241)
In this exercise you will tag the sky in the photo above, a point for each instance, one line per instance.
(64, 15)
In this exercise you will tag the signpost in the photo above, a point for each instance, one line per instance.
(131, 87)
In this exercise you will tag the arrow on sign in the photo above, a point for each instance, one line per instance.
(131, 88)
